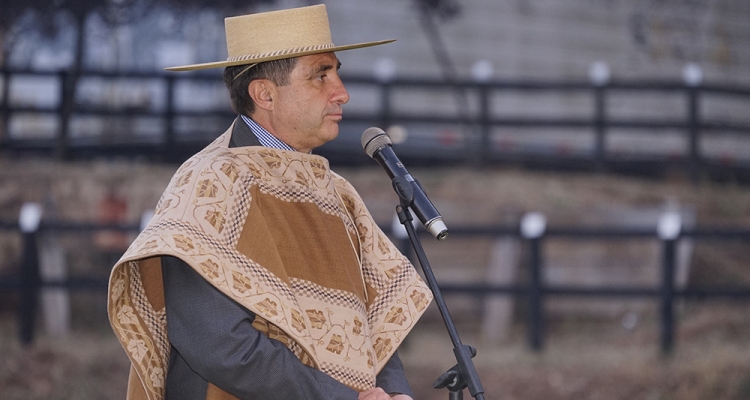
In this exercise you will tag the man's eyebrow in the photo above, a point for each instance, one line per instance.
(324, 68)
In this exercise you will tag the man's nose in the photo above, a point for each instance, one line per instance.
(339, 94)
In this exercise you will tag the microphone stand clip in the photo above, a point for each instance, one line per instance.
(453, 379)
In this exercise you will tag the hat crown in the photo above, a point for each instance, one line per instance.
(277, 32)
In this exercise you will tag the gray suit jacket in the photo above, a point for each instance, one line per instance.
(213, 340)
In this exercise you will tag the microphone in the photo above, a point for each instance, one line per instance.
(377, 145)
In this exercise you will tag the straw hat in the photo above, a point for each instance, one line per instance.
(274, 35)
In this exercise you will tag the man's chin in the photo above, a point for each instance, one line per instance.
(332, 132)
(327, 136)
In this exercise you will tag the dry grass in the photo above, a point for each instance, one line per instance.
(583, 359)
(601, 360)
(87, 365)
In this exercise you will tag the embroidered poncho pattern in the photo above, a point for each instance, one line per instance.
(285, 237)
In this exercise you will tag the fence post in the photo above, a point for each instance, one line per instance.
(67, 105)
(169, 139)
(599, 76)
(482, 72)
(693, 76)
(385, 71)
(485, 148)
(5, 111)
(668, 230)
(533, 226)
(30, 281)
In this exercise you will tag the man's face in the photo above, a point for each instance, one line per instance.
(307, 111)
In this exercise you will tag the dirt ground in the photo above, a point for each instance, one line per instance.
(581, 360)
(584, 356)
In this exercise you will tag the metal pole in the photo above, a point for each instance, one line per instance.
(485, 151)
(29, 290)
(599, 125)
(599, 76)
(169, 139)
(30, 281)
(533, 226)
(692, 75)
(5, 110)
(668, 230)
(536, 302)
(67, 106)
(694, 133)
(463, 353)
(667, 298)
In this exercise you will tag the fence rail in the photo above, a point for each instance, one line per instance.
(479, 123)
(27, 281)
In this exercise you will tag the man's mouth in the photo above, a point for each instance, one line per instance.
(337, 116)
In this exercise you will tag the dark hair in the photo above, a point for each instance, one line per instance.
(277, 71)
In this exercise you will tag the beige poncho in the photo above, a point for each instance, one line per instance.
(287, 238)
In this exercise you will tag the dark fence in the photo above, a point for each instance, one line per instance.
(27, 281)
(536, 291)
(177, 125)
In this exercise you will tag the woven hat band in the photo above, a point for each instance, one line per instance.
(256, 35)
(250, 57)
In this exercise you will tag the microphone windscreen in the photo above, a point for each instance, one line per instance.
(373, 139)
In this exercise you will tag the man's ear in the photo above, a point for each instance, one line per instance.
(262, 93)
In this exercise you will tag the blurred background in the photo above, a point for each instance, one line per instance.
(591, 159)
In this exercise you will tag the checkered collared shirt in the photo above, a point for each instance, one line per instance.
(264, 137)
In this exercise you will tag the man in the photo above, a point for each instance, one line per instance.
(262, 275)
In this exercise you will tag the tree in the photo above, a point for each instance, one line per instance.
(12, 12)
(114, 12)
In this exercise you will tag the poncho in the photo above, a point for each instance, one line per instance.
(285, 237)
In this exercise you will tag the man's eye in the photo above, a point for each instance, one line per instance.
(321, 77)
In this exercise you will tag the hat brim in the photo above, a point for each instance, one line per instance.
(220, 64)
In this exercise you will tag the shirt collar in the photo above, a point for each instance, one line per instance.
(264, 137)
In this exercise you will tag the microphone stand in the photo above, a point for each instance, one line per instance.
(463, 374)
